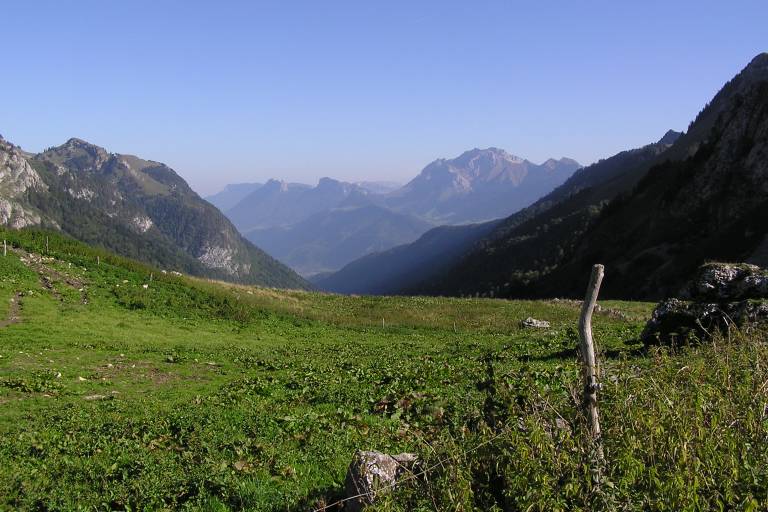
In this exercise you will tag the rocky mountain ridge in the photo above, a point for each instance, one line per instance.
(138, 208)
(480, 184)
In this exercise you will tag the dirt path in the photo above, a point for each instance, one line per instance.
(48, 275)
(14, 313)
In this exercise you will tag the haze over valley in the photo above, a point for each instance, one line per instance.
(395, 256)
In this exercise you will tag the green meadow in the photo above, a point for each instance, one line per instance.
(123, 387)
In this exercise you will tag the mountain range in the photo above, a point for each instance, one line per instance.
(651, 215)
(138, 208)
(231, 195)
(322, 228)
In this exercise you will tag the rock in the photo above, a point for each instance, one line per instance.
(532, 323)
(372, 474)
(721, 291)
(728, 282)
(95, 397)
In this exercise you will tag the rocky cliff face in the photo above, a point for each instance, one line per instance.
(138, 208)
(16, 178)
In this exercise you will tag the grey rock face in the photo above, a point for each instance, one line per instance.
(721, 295)
(16, 177)
(373, 474)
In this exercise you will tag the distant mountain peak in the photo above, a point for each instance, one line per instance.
(329, 182)
(74, 142)
(561, 163)
(759, 62)
(670, 137)
(490, 153)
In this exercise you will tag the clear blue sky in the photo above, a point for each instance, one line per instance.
(243, 91)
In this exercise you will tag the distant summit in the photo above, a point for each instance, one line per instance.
(479, 184)
(278, 203)
(670, 137)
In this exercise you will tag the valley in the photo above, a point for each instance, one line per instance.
(384, 256)
(163, 391)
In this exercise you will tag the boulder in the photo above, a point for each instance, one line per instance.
(532, 323)
(721, 296)
(728, 282)
(372, 474)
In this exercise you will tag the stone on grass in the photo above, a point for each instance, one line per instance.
(532, 323)
(372, 474)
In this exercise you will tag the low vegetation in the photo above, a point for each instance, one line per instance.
(126, 388)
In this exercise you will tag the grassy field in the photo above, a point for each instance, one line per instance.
(125, 388)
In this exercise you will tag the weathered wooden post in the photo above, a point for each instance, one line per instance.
(98, 260)
(46, 245)
(588, 358)
(5, 248)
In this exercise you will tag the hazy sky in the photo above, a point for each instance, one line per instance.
(243, 91)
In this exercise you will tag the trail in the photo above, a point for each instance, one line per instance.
(48, 275)
(14, 313)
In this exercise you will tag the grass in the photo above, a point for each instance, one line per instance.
(197, 395)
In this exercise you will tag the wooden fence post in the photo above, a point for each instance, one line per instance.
(5, 248)
(46, 245)
(588, 358)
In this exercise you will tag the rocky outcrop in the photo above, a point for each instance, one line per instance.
(373, 474)
(728, 282)
(720, 297)
(16, 177)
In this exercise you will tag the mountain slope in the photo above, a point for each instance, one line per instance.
(389, 272)
(480, 184)
(710, 206)
(418, 267)
(379, 187)
(330, 239)
(650, 227)
(231, 195)
(135, 207)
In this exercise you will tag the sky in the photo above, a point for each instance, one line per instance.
(228, 91)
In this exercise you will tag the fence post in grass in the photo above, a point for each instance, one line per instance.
(589, 360)
(5, 248)
(98, 260)
(46, 245)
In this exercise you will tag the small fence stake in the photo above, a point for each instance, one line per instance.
(46, 245)
(5, 248)
(589, 360)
